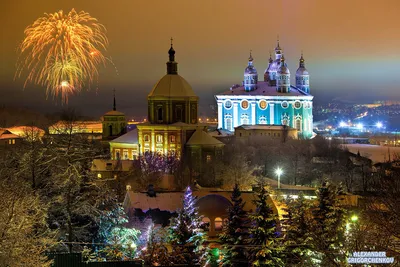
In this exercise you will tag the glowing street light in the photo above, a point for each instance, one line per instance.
(278, 172)
(379, 124)
(360, 125)
(354, 218)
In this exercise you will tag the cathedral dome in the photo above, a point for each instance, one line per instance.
(250, 69)
(302, 71)
(172, 85)
(283, 69)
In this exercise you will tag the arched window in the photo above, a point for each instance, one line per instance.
(146, 138)
(228, 122)
(244, 119)
(159, 138)
(262, 120)
(172, 138)
(218, 224)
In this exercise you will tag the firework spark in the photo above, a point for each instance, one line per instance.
(62, 52)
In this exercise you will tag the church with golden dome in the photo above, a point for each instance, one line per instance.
(172, 127)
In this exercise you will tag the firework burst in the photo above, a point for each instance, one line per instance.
(62, 52)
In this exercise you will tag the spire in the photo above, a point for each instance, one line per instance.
(270, 58)
(278, 47)
(115, 105)
(250, 57)
(172, 66)
(301, 65)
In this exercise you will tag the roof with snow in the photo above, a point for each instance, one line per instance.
(373, 152)
(264, 89)
(200, 137)
(114, 113)
(172, 85)
(263, 127)
(130, 137)
(6, 134)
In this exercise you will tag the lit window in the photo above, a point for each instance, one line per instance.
(117, 155)
(228, 122)
(208, 158)
(172, 139)
(263, 104)
(9, 142)
(13, 141)
(218, 224)
(244, 119)
(159, 138)
(146, 138)
(125, 154)
(99, 175)
(245, 104)
(297, 104)
(298, 125)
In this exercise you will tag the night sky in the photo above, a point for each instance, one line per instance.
(351, 48)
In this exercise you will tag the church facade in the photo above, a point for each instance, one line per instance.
(273, 101)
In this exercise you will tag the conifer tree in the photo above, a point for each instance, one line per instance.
(297, 223)
(186, 232)
(234, 233)
(265, 242)
(329, 226)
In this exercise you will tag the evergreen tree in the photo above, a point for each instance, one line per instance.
(265, 242)
(234, 232)
(329, 226)
(297, 223)
(186, 232)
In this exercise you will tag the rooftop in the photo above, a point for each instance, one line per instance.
(172, 85)
(200, 137)
(265, 90)
(263, 127)
(130, 137)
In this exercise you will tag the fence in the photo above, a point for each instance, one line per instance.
(75, 260)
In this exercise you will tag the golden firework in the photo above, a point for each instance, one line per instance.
(62, 52)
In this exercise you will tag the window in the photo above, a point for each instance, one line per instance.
(159, 138)
(228, 122)
(262, 120)
(285, 122)
(160, 114)
(125, 154)
(218, 224)
(146, 138)
(159, 151)
(284, 104)
(9, 142)
(13, 141)
(208, 158)
(228, 104)
(244, 119)
(99, 175)
(172, 138)
(263, 104)
(298, 125)
(297, 104)
(206, 221)
(245, 104)
(117, 155)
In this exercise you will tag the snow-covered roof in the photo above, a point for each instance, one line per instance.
(220, 133)
(5, 134)
(114, 113)
(172, 85)
(200, 137)
(101, 165)
(373, 152)
(130, 137)
(263, 127)
(264, 89)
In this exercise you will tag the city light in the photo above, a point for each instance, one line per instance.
(360, 126)
(278, 172)
(342, 124)
(354, 218)
(379, 124)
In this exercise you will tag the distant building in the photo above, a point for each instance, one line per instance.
(8, 139)
(273, 101)
(259, 132)
(113, 123)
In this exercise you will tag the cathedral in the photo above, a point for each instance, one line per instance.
(273, 101)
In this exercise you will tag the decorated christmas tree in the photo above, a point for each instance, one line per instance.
(186, 232)
(234, 233)
(266, 245)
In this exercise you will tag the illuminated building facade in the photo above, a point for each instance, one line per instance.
(273, 101)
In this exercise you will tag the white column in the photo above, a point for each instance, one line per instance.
(253, 113)
(219, 115)
(235, 114)
(271, 113)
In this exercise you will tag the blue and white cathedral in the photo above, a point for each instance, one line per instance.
(273, 101)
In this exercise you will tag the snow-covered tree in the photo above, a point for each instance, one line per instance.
(328, 226)
(154, 251)
(24, 235)
(186, 232)
(297, 222)
(233, 237)
(266, 245)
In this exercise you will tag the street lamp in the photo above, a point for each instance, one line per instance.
(278, 172)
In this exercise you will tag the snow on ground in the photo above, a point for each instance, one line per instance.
(373, 152)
